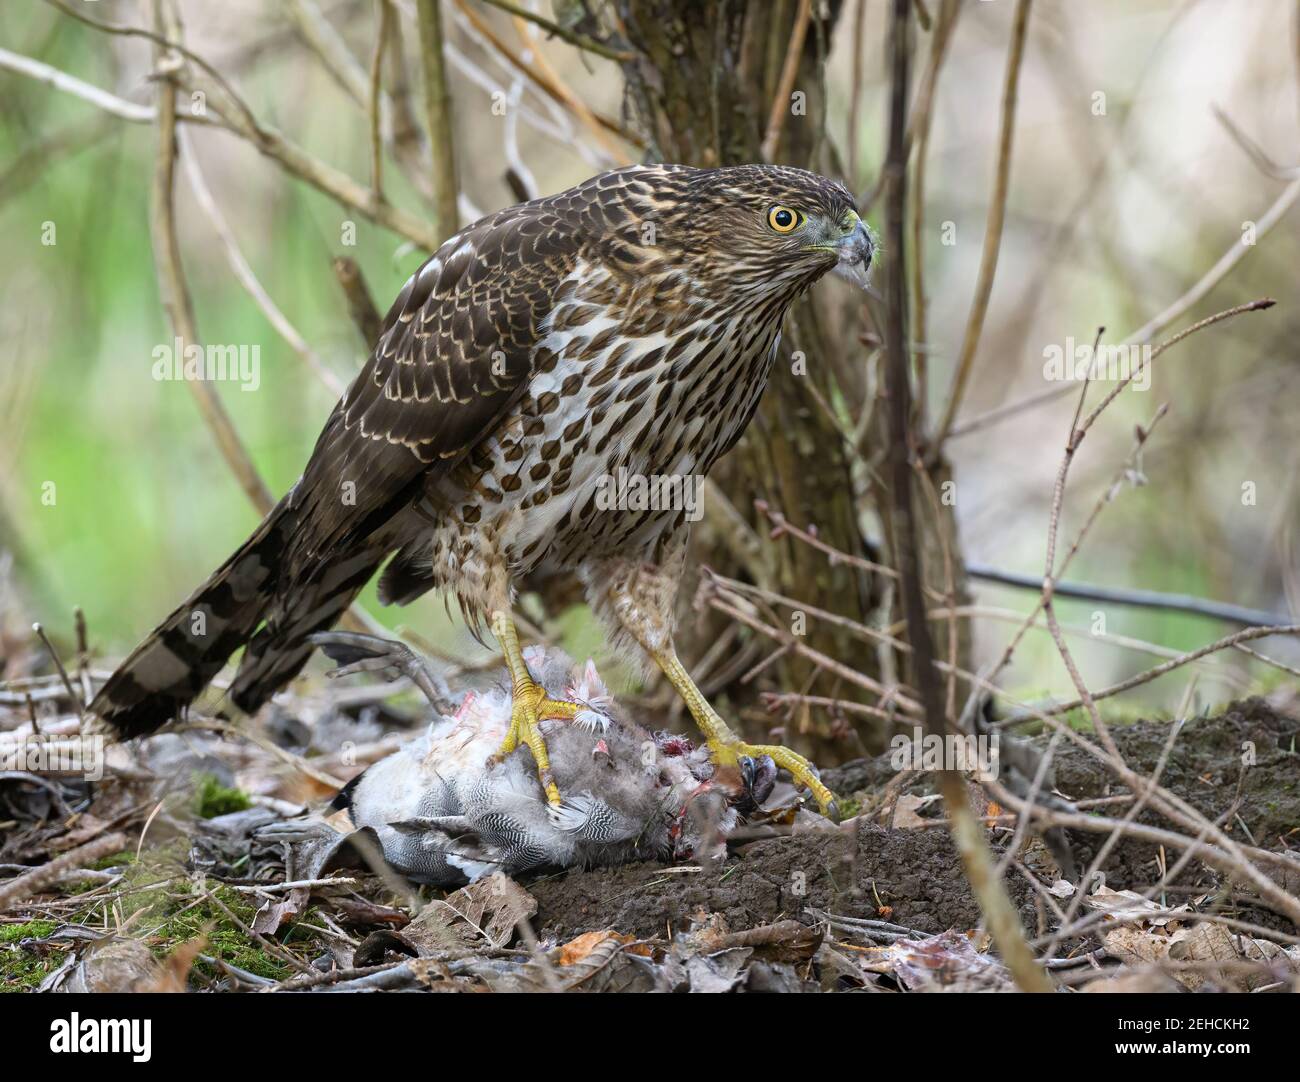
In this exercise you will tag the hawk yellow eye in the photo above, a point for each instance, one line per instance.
(783, 219)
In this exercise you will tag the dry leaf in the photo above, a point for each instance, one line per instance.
(174, 974)
(273, 914)
(483, 914)
(575, 950)
(903, 814)
(1206, 943)
(1135, 945)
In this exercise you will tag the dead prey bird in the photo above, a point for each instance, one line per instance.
(447, 810)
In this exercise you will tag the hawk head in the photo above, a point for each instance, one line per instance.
(755, 231)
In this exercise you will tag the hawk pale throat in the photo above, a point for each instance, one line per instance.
(628, 324)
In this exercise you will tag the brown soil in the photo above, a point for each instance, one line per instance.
(913, 877)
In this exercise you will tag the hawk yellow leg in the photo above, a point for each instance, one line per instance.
(529, 705)
(725, 746)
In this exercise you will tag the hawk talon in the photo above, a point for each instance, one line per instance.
(801, 770)
(529, 706)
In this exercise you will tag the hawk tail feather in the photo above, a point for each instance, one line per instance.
(280, 648)
(177, 660)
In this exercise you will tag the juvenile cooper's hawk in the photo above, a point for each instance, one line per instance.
(628, 324)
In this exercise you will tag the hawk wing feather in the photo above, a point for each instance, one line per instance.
(456, 345)
(453, 355)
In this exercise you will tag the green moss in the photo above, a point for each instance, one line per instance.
(172, 919)
(33, 929)
(849, 806)
(22, 970)
(211, 798)
(113, 860)
(167, 908)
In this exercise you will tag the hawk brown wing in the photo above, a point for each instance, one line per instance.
(454, 354)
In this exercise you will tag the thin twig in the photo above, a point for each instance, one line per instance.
(437, 108)
(580, 41)
(270, 143)
(70, 84)
(1156, 324)
(361, 305)
(992, 228)
(376, 88)
(922, 114)
(785, 86)
(1177, 663)
(572, 101)
(58, 662)
(244, 272)
(1142, 599)
(171, 275)
(33, 882)
(1274, 896)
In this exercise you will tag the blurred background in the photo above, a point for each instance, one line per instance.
(1126, 188)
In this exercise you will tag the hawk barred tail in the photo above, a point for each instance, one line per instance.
(180, 657)
(623, 328)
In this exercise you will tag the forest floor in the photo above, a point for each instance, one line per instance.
(128, 883)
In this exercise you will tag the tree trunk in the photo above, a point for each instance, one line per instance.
(701, 90)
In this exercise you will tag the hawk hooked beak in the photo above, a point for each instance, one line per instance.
(855, 249)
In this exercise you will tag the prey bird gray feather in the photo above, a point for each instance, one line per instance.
(444, 814)
(624, 327)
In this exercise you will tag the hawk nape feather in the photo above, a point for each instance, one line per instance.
(625, 327)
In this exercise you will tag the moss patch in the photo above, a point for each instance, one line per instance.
(21, 970)
(211, 798)
(33, 929)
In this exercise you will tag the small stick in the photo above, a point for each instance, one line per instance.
(267, 888)
(23, 887)
(83, 656)
(578, 41)
(437, 108)
(789, 72)
(361, 305)
(1145, 599)
(993, 227)
(58, 662)
(376, 101)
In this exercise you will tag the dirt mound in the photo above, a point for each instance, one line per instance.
(913, 877)
(910, 877)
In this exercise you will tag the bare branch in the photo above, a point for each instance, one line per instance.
(437, 106)
(1224, 643)
(1144, 599)
(361, 305)
(785, 86)
(70, 84)
(993, 227)
(247, 278)
(1154, 326)
(171, 275)
(580, 41)
(384, 14)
